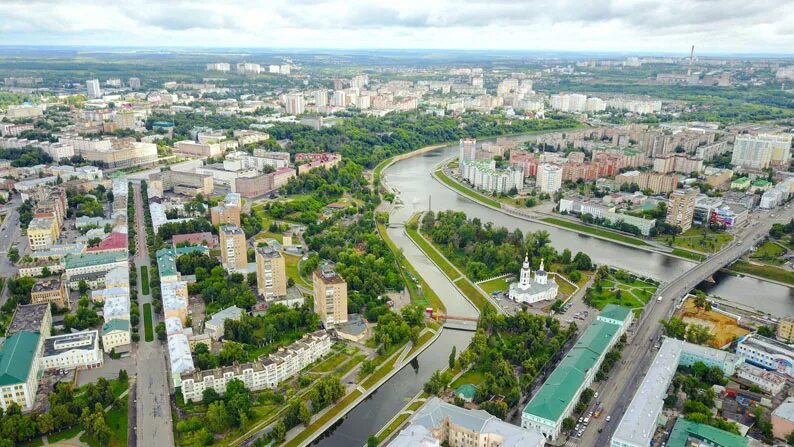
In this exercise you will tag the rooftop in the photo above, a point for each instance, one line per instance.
(47, 284)
(684, 430)
(327, 274)
(115, 325)
(28, 318)
(268, 252)
(231, 229)
(766, 344)
(17, 356)
(96, 258)
(114, 241)
(87, 340)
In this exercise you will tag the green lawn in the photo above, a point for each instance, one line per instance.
(421, 293)
(769, 253)
(632, 292)
(764, 271)
(688, 254)
(144, 280)
(347, 367)
(471, 376)
(65, 434)
(495, 285)
(424, 338)
(331, 362)
(396, 423)
(467, 191)
(381, 372)
(291, 264)
(440, 261)
(117, 422)
(148, 329)
(595, 231)
(468, 289)
(698, 239)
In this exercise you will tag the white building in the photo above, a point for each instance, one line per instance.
(767, 353)
(102, 295)
(180, 358)
(215, 325)
(116, 308)
(549, 178)
(525, 291)
(72, 351)
(218, 66)
(762, 151)
(94, 90)
(263, 373)
(340, 98)
(320, 98)
(639, 421)
(294, 103)
(484, 175)
(116, 335)
(19, 368)
(769, 381)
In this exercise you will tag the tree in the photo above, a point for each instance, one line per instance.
(674, 327)
(766, 331)
(160, 329)
(82, 286)
(279, 432)
(452, 356)
(372, 441)
(305, 415)
(123, 377)
(497, 408)
(568, 424)
(217, 417)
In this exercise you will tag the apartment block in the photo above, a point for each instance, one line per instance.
(681, 208)
(330, 295)
(225, 215)
(51, 290)
(271, 273)
(233, 248)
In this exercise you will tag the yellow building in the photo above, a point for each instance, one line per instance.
(50, 290)
(271, 274)
(330, 296)
(785, 330)
(233, 250)
(681, 208)
(225, 215)
(42, 233)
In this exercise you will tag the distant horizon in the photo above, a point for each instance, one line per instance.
(484, 51)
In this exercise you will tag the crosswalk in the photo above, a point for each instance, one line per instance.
(572, 443)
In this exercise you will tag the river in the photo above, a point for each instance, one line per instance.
(419, 192)
(374, 412)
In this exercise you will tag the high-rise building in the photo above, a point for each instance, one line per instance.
(134, 83)
(549, 178)
(681, 208)
(321, 98)
(762, 151)
(94, 91)
(467, 150)
(219, 66)
(233, 250)
(330, 295)
(294, 103)
(271, 274)
(340, 98)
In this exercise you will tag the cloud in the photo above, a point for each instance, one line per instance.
(607, 25)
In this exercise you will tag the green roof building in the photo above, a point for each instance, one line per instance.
(166, 259)
(558, 395)
(115, 324)
(18, 369)
(94, 262)
(685, 430)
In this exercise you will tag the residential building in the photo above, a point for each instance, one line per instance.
(185, 183)
(681, 208)
(215, 325)
(134, 83)
(94, 91)
(762, 151)
(225, 215)
(467, 150)
(102, 295)
(42, 233)
(484, 175)
(50, 290)
(682, 163)
(658, 183)
(687, 433)
(187, 147)
(79, 350)
(116, 335)
(181, 360)
(19, 368)
(175, 300)
(233, 248)
(638, 424)
(767, 353)
(438, 422)
(116, 307)
(549, 178)
(330, 295)
(271, 273)
(783, 419)
(31, 318)
(598, 210)
(294, 103)
(559, 394)
(219, 66)
(309, 161)
(206, 239)
(769, 381)
(785, 330)
(266, 372)
(263, 184)
(99, 262)
(112, 152)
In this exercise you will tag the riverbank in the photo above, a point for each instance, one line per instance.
(769, 273)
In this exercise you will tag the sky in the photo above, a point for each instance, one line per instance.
(650, 26)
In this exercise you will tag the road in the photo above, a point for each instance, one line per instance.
(638, 355)
(155, 426)
(9, 234)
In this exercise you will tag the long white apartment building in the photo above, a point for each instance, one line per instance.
(71, 351)
(264, 373)
(762, 151)
(483, 174)
(599, 210)
(638, 425)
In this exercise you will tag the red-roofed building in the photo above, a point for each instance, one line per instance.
(208, 239)
(316, 160)
(114, 242)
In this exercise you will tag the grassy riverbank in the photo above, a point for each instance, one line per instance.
(596, 231)
(467, 191)
(764, 271)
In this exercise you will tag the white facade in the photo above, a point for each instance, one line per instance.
(761, 151)
(483, 174)
(549, 178)
(263, 373)
(294, 104)
(179, 355)
(94, 91)
(116, 307)
(524, 291)
(71, 351)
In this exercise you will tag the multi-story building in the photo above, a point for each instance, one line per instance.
(608, 213)
(681, 208)
(330, 295)
(438, 422)
(559, 394)
(19, 368)
(785, 330)
(677, 163)
(769, 381)
(266, 372)
(79, 350)
(175, 300)
(263, 184)
(215, 326)
(186, 183)
(271, 273)
(308, 161)
(467, 150)
(767, 353)
(116, 335)
(483, 174)
(112, 152)
(762, 151)
(549, 178)
(658, 183)
(42, 233)
(24, 111)
(225, 215)
(50, 290)
(638, 424)
(134, 83)
(31, 318)
(233, 249)
(100, 262)
(219, 66)
(94, 90)
(294, 103)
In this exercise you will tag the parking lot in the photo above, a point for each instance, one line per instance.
(109, 370)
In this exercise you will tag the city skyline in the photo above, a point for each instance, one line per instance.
(604, 26)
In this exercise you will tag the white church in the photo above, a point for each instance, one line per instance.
(527, 291)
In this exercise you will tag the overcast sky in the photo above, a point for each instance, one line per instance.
(668, 26)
